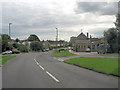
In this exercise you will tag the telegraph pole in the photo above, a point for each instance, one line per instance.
(9, 29)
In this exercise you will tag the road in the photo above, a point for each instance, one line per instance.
(40, 70)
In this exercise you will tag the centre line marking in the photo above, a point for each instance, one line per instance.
(41, 67)
(52, 76)
(47, 71)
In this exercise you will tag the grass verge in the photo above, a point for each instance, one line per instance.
(62, 54)
(5, 59)
(104, 65)
(112, 54)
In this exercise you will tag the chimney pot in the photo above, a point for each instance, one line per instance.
(87, 35)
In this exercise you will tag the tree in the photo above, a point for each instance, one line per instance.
(33, 37)
(36, 46)
(112, 39)
(15, 45)
(112, 36)
(17, 40)
(5, 39)
(9, 47)
(117, 23)
(0, 43)
(22, 48)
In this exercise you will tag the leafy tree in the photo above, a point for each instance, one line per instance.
(0, 44)
(112, 39)
(5, 40)
(117, 23)
(17, 40)
(5, 37)
(15, 45)
(36, 46)
(33, 37)
(9, 47)
(112, 36)
(22, 48)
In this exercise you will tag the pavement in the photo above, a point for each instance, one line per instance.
(40, 70)
(91, 54)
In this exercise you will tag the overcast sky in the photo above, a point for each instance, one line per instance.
(69, 16)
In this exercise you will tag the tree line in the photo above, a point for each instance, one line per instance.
(35, 45)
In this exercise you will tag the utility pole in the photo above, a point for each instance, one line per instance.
(56, 39)
(9, 29)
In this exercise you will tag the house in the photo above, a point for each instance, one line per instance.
(52, 43)
(82, 42)
(12, 41)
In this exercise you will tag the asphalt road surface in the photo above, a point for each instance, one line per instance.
(39, 70)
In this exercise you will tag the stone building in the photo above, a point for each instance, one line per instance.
(82, 42)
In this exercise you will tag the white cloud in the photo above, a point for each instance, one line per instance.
(42, 18)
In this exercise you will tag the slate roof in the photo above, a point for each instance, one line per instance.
(82, 37)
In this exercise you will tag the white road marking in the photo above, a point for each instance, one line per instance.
(39, 65)
(46, 71)
(52, 76)
(34, 60)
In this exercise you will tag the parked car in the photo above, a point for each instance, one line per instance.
(88, 50)
(15, 52)
(47, 49)
(62, 49)
(69, 48)
(6, 52)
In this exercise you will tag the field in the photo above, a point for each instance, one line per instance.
(62, 53)
(105, 65)
(5, 58)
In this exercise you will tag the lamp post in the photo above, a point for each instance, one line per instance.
(9, 29)
(56, 38)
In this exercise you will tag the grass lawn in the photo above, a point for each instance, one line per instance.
(105, 65)
(62, 54)
(5, 58)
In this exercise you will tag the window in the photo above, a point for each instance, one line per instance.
(93, 46)
(88, 46)
(84, 46)
(81, 46)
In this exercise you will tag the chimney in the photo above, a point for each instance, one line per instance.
(87, 35)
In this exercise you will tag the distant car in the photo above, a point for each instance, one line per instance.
(62, 49)
(47, 49)
(53, 49)
(15, 52)
(69, 48)
(43, 50)
(6, 52)
(88, 50)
